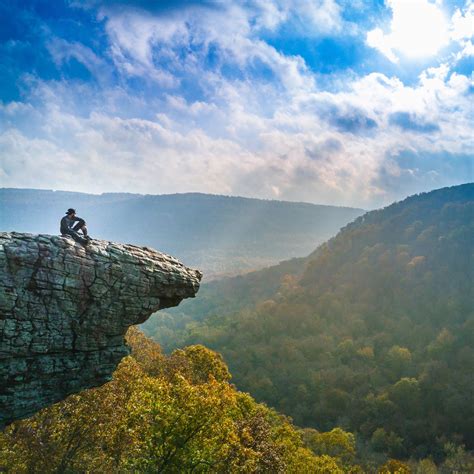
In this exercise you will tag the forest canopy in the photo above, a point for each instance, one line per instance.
(160, 413)
(180, 413)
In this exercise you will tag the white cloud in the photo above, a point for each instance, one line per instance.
(462, 23)
(142, 42)
(377, 39)
(462, 30)
(284, 148)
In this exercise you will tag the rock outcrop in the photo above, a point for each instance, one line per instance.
(64, 311)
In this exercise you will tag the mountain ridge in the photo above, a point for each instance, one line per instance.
(221, 235)
(188, 193)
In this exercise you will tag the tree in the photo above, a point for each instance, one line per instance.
(406, 394)
(387, 442)
(336, 443)
(199, 363)
(398, 359)
(394, 467)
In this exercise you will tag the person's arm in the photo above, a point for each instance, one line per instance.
(80, 220)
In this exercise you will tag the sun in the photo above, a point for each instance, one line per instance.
(419, 28)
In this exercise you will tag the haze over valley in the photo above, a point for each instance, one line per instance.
(220, 235)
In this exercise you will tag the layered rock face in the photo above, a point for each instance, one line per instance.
(64, 311)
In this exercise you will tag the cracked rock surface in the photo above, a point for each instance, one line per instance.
(64, 311)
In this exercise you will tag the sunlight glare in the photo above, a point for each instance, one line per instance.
(419, 28)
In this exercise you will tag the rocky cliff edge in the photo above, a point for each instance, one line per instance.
(64, 311)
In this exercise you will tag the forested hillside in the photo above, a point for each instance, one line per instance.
(221, 296)
(220, 235)
(376, 335)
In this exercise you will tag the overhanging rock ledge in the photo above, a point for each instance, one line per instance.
(65, 309)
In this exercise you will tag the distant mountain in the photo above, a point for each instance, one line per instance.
(218, 234)
(374, 332)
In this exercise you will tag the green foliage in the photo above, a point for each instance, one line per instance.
(222, 296)
(398, 360)
(388, 443)
(373, 332)
(180, 424)
(426, 466)
(458, 461)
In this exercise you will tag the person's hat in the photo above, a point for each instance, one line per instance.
(70, 211)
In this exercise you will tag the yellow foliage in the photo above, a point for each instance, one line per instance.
(366, 352)
(426, 466)
(158, 414)
(326, 465)
(394, 466)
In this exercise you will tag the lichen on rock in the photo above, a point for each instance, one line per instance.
(64, 311)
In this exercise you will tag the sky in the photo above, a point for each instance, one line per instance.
(346, 102)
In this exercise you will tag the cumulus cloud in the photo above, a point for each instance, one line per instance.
(172, 46)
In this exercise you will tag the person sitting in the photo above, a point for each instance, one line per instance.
(72, 224)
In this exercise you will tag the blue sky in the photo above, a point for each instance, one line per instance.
(328, 101)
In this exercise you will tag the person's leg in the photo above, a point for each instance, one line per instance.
(78, 237)
(80, 226)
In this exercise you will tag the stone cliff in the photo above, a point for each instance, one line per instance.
(64, 311)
